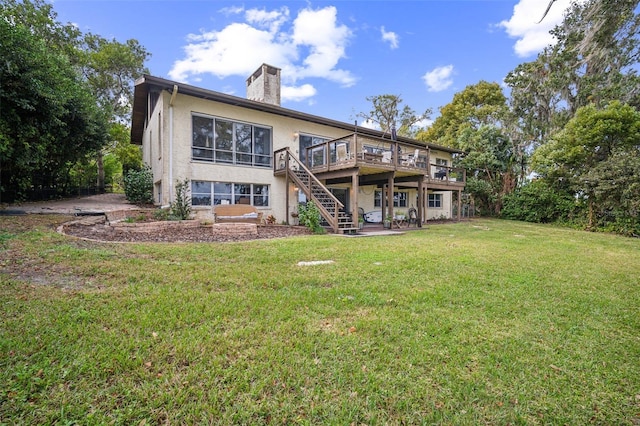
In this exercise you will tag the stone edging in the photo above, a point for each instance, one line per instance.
(149, 227)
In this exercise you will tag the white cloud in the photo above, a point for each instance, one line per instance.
(232, 10)
(309, 47)
(272, 20)
(326, 40)
(423, 124)
(390, 37)
(439, 78)
(238, 49)
(297, 93)
(523, 25)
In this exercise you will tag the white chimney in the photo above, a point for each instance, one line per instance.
(264, 85)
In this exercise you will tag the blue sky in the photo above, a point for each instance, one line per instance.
(333, 54)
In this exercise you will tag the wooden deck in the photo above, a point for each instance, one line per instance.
(368, 156)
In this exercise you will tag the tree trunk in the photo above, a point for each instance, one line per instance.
(100, 182)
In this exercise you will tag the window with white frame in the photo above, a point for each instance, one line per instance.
(205, 193)
(435, 201)
(225, 141)
(400, 199)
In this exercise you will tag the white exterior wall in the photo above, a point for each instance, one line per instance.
(155, 148)
(161, 153)
(283, 132)
(444, 211)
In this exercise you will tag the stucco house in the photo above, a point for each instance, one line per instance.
(234, 150)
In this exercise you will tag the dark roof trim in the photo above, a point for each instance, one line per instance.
(146, 82)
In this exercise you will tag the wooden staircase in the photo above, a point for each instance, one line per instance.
(328, 205)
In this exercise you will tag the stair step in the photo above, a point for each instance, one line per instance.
(349, 231)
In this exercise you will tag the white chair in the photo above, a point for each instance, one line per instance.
(386, 157)
(411, 160)
(341, 152)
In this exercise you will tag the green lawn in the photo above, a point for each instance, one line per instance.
(482, 322)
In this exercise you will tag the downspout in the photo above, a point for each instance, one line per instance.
(173, 97)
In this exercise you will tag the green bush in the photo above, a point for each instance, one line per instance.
(161, 214)
(309, 216)
(483, 194)
(619, 222)
(538, 202)
(181, 206)
(138, 186)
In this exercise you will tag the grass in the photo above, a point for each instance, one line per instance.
(483, 322)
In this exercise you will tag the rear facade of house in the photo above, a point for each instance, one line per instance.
(234, 150)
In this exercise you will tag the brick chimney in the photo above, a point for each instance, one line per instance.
(264, 85)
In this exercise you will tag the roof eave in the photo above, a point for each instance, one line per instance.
(140, 106)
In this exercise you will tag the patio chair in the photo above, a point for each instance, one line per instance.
(341, 152)
(413, 217)
(441, 174)
(411, 160)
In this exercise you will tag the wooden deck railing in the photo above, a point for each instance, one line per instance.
(442, 173)
(357, 150)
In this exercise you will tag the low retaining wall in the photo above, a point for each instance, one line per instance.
(116, 222)
(149, 227)
(118, 215)
(234, 229)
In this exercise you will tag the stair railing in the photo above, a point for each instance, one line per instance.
(328, 205)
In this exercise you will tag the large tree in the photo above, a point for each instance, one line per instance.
(480, 104)
(48, 116)
(388, 113)
(104, 68)
(110, 68)
(593, 61)
(596, 158)
(475, 121)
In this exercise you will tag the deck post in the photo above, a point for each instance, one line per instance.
(355, 217)
(420, 201)
(390, 196)
(426, 203)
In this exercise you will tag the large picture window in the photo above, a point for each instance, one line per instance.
(205, 193)
(225, 141)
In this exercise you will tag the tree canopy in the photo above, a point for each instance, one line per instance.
(62, 92)
(481, 104)
(48, 114)
(388, 113)
(570, 122)
(596, 158)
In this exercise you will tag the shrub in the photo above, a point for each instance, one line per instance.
(538, 202)
(161, 214)
(309, 216)
(181, 206)
(138, 186)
